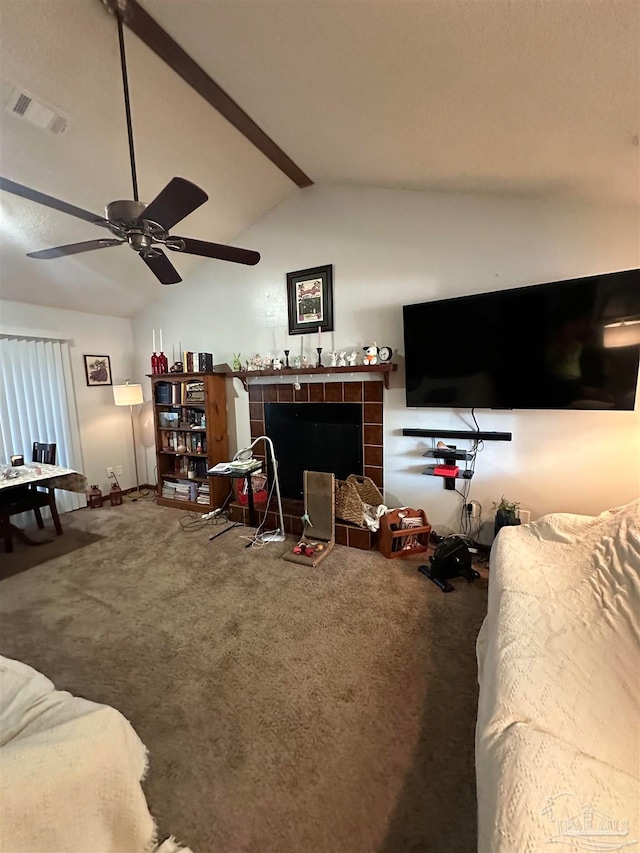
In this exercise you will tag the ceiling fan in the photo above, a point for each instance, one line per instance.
(145, 227)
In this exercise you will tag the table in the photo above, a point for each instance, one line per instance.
(238, 475)
(51, 476)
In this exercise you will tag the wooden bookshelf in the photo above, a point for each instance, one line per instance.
(171, 463)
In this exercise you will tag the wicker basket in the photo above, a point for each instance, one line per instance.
(367, 489)
(352, 494)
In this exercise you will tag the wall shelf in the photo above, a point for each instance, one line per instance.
(461, 475)
(452, 454)
(385, 369)
(449, 454)
(458, 433)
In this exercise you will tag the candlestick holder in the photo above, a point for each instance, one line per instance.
(163, 363)
(154, 363)
(286, 357)
(319, 351)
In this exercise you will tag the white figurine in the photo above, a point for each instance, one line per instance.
(276, 364)
(257, 362)
(305, 361)
(333, 355)
(371, 354)
(267, 361)
(296, 362)
(342, 359)
(352, 359)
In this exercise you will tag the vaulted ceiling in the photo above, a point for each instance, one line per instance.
(528, 97)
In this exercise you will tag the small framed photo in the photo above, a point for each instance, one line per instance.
(310, 300)
(98, 369)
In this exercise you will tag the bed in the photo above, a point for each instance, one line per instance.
(558, 729)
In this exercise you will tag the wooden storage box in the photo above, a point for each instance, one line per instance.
(403, 542)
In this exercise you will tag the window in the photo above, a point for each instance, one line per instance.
(37, 403)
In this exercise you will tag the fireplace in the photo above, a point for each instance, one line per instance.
(366, 396)
(314, 437)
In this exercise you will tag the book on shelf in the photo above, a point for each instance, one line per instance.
(168, 393)
(179, 490)
(195, 442)
(203, 362)
(168, 489)
(197, 362)
(203, 493)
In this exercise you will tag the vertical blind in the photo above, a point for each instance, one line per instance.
(37, 403)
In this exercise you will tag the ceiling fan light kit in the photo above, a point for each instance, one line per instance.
(145, 227)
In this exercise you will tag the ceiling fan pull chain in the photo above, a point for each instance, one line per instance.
(127, 106)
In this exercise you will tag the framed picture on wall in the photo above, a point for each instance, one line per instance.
(98, 369)
(310, 300)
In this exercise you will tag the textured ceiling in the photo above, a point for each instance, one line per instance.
(496, 96)
(66, 52)
(481, 95)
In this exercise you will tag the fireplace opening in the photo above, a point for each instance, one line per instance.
(314, 437)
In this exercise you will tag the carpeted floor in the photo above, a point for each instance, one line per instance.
(286, 710)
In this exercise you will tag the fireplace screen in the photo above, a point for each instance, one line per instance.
(314, 437)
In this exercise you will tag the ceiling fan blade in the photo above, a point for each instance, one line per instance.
(74, 249)
(214, 250)
(50, 201)
(161, 267)
(178, 199)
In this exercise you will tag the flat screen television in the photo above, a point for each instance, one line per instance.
(562, 345)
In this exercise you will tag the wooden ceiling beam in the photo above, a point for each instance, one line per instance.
(158, 39)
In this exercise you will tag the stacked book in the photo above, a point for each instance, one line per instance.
(203, 494)
(185, 491)
(168, 489)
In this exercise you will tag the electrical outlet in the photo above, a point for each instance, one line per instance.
(119, 470)
(473, 510)
(524, 515)
(109, 472)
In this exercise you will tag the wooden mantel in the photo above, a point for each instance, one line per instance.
(385, 369)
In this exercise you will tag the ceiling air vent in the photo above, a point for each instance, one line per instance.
(25, 106)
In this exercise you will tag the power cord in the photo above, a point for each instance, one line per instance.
(466, 526)
(194, 521)
(259, 540)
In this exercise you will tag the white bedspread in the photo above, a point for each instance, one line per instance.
(70, 772)
(558, 732)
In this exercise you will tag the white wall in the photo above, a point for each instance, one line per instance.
(391, 247)
(105, 429)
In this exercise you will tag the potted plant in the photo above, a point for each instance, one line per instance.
(506, 513)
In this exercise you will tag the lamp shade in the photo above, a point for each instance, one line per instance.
(127, 395)
(624, 334)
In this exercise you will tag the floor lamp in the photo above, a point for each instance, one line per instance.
(130, 395)
(246, 454)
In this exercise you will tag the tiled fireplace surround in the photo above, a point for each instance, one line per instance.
(370, 395)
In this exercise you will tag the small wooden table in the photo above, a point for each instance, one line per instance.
(238, 475)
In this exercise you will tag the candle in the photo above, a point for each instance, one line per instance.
(161, 350)
(154, 340)
(319, 336)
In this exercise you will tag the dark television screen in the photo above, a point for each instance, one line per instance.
(550, 346)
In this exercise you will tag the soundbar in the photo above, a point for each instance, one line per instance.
(472, 434)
